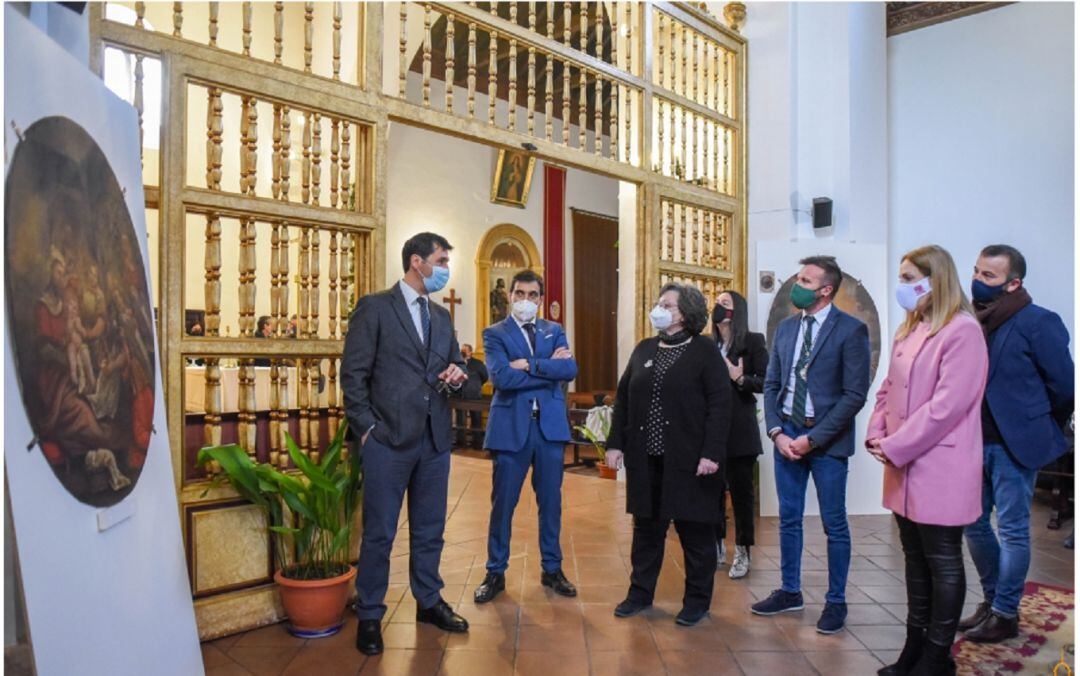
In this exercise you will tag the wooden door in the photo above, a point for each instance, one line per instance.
(596, 290)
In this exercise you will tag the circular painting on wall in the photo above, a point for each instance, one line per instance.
(853, 299)
(79, 312)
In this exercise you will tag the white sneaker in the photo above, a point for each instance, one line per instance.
(721, 554)
(741, 565)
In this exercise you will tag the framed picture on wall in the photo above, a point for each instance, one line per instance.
(513, 176)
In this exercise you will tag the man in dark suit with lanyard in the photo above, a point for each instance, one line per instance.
(817, 380)
(400, 363)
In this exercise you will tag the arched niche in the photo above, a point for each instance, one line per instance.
(505, 250)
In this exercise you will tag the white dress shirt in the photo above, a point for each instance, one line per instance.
(521, 327)
(414, 308)
(819, 320)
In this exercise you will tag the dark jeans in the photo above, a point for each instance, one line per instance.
(934, 572)
(388, 473)
(830, 480)
(698, 541)
(1002, 558)
(739, 479)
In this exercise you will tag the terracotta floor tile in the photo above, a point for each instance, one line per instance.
(718, 662)
(414, 636)
(554, 639)
(475, 663)
(806, 637)
(549, 614)
(325, 661)
(675, 638)
(633, 661)
(786, 663)
(539, 663)
(272, 635)
(230, 669)
(757, 633)
(212, 657)
(484, 637)
(403, 663)
(881, 637)
(844, 661)
(263, 660)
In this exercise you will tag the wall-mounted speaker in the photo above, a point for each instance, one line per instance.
(822, 212)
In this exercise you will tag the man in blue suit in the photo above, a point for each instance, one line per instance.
(529, 361)
(817, 380)
(1029, 396)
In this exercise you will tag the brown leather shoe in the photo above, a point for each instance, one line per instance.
(976, 618)
(994, 629)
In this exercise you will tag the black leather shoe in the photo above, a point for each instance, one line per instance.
(976, 618)
(994, 629)
(688, 618)
(558, 583)
(491, 586)
(369, 637)
(630, 608)
(443, 617)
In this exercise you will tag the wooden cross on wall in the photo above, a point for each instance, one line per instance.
(452, 300)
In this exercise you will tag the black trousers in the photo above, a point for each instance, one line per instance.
(934, 572)
(474, 437)
(698, 541)
(739, 479)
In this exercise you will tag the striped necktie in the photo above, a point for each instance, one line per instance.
(425, 319)
(798, 403)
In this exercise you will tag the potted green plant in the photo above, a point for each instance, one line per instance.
(598, 439)
(310, 513)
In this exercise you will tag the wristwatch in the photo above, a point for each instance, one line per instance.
(775, 433)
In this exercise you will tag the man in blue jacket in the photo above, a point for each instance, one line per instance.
(529, 361)
(817, 379)
(1029, 396)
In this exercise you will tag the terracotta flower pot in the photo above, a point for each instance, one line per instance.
(607, 472)
(315, 607)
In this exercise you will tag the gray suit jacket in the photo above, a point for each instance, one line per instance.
(386, 371)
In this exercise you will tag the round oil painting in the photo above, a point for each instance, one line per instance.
(853, 298)
(79, 313)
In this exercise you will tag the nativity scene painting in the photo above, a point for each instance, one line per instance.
(79, 313)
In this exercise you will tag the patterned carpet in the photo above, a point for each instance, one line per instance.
(1047, 623)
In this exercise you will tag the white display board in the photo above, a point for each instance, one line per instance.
(106, 588)
(868, 264)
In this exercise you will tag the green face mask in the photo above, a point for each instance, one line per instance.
(802, 297)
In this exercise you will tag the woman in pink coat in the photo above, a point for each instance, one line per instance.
(927, 431)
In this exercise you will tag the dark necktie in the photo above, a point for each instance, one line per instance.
(798, 402)
(530, 329)
(425, 320)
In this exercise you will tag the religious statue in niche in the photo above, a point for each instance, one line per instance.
(853, 299)
(500, 301)
(513, 176)
(504, 251)
(79, 311)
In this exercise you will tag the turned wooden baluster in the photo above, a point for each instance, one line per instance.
(426, 72)
(695, 257)
(333, 419)
(598, 32)
(302, 398)
(531, 99)
(335, 147)
(472, 70)
(583, 107)
(286, 150)
(671, 231)
(246, 29)
(346, 158)
(178, 19)
(283, 277)
(213, 28)
(660, 20)
(140, 15)
(614, 109)
(549, 83)
(303, 328)
(313, 415)
(729, 139)
(252, 141)
(493, 71)
(728, 60)
(345, 295)
(694, 76)
(673, 52)
(309, 30)
(715, 75)
(336, 58)
(305, 165)
(583, 27)
(276, 321)
(279, 27)
(283, 415)
(566, 78)
(313, 281)
(275, 421)
(511, 99)
(449, 78)
(316, 157)
(598, 114)
(275, 157)
(682, 144)
(403, 15)
(332, 302)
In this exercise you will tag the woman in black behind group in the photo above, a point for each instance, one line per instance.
(670, 425)
(746, 358)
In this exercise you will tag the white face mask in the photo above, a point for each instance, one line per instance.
(524, 310)
(908, 295)
(660, 318)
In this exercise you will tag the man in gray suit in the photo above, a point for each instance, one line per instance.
(401, 362)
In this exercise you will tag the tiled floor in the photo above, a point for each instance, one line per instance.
(528, 630)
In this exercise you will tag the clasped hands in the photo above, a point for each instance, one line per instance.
(614, 459)
(792, 449)
(559, 353)
(873, 446)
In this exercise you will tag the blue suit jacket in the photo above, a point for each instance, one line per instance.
(838, 378)
(515, 390)
(1030, 387)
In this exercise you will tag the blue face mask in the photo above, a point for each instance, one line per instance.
(981, 292)
(438, 279)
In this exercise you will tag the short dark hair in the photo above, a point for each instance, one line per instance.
(692, 306)
(526, 277)
(264, 321)
(1017, 264)
(423, 245)
(834, 276)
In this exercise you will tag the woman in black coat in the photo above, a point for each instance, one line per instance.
(746, 359)
(670, 429)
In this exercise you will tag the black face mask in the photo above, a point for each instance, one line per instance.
(720, 313)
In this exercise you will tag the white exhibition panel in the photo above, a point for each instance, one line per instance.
(868, 264)
(112, 601)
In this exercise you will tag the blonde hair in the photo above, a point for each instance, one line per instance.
(947, 297)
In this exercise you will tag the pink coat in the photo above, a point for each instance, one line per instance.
(928, 417)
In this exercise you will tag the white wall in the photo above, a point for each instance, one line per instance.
(981, 142)
(443, 184)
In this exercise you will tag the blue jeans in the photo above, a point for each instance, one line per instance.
(830, 479)
(546, 459)
(1003, 563)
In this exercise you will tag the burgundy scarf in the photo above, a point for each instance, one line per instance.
(992, 315)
